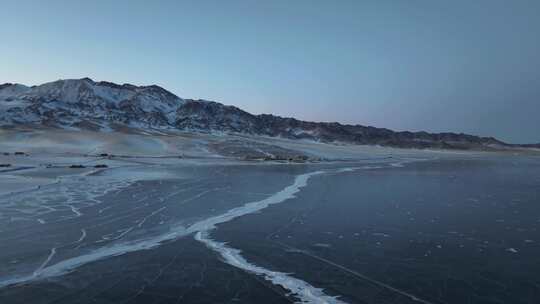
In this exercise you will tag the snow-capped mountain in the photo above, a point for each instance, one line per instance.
(83, 103)
(105, 106)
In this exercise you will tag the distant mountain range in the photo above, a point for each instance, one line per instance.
(105, 106)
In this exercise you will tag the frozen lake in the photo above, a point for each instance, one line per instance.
(452, 230)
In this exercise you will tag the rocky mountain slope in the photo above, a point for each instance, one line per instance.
(104, 106)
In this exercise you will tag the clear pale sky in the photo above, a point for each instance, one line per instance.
(463, 66)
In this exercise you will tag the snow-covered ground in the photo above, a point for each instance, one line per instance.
(50, 152)
(171, 143)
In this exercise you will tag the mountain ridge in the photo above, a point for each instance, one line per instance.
(107, 106)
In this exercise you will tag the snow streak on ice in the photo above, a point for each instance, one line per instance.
(304, 291)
